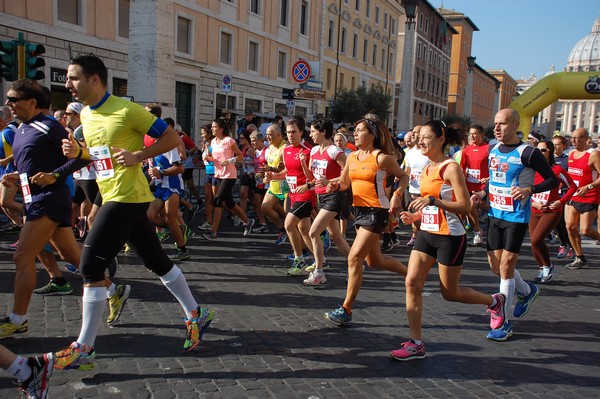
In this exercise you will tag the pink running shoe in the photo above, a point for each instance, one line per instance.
(570, 254)
(409, 351)
(13, 245)
(497, 312)
(411, 242)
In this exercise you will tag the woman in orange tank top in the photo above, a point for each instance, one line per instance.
(365, 171)
(442, 237)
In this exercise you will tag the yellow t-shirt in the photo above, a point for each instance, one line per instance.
(274, 158)
(119, 123)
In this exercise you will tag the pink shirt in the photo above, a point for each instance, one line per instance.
(221, 151)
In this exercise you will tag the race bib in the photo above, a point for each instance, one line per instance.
(501, 199)
(25, 188)
(473, 175)
(102, 160)
(542, 198)
(430, 218)
(498, 177)
(319, 168)
(292, 181)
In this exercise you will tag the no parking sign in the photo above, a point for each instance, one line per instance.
(301, 71)
(226, 85)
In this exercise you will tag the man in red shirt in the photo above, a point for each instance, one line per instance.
(474, 162)
(582, 210)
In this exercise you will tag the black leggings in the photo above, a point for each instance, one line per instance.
(115, 224)
(225, 193)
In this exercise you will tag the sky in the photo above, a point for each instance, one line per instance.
(526, 36)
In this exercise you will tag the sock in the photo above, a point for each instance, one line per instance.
(93, 303)
(522, 287)
(582, 257)
(507, 287)
(416, 341)
(111, 290)
(175, 282)
(301, 257)
(494, 303)
(319, 271)
(60, 280)
(20, 369)
(182, 248)
(18, 319)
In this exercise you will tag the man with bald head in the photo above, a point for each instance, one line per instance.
(582, 210)
(512, 165)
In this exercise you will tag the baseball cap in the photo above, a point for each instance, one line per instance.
(75, 107)
(535, 136)
(400, 136)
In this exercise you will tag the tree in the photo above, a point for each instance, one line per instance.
(351, 105)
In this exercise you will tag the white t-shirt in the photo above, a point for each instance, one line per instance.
(416, 162)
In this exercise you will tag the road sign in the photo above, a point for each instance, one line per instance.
(290, 103)
(287, 94)
(226, 84)
(301, 71)
(309, 94)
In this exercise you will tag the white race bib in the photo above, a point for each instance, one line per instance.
(102, 160)
(25, 188)
(501, 199)
(430, 218)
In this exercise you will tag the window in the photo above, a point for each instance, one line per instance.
(69, 11)
(374, 55)
(366, 51)
(382, 59)
(353, 83)
(282, 65)
(123, 22)
(255, 6)
(303, 17)
(385, 21)
(368, 9)
(253, 62)
(183, 35)
(283, 12)
(355, 46)
(119, 87)
(328, 82)
(330, 33)
(343, 45)
(341, 86)
(376, 14)
(357, 5)
(393, 26)
(226, 44)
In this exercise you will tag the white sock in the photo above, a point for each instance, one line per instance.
(17, 319)
(507, 287)
(93, 303)
(175, 282)
(111, 290)
(523, 288)
(20, 369)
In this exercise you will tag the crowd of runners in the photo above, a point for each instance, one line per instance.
(107, 167)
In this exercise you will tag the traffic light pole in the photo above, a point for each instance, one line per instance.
(20, 56)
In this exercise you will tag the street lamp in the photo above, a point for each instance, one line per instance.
(410, 7)
(469, 92)
(471, 62)
(404, 118)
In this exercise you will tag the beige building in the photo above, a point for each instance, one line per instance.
(508, 87)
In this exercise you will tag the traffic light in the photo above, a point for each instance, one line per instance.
(8, 60)
(33, 62)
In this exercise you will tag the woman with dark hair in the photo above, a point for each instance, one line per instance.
(209, 181)
(442, 237)
(326, 163)
(247, 182)
(546, 211)
(225, 154)
(365, 171)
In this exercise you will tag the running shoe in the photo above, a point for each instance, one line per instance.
(209, 236)
(326, 241)
(570, 253)
(497, 313)
(205, 226)
(236, 220)
(501, 334)
(524, 302)
(261, 229)
(298, 267)
(54, 289)
(8, 329)
(409, 351)
(180, 255)
(411, 242)
(248, 227)
(576, 264)
(281, 238)
(339, 317)
(562, 252)
(13, 245)
(112, 267)
(72, 268)
(478, 238)
(12, 228)
(163, 235)
(305, 254)
(187, 233)
(116, 303)
(196, 327)
(73, 357)
(81, 226)
(395, 239)
(315, 278)
(191, 213)
(387, 244)
(36, 386)
(313, 266)
(547, 274)
(538, 278)
(468, 227)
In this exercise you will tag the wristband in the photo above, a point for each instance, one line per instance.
(80, 153)
(232, 160)
(308, 185)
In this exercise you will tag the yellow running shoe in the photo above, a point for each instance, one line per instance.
(8, 329)
(116, 303)
(74, 357)
(197, 326)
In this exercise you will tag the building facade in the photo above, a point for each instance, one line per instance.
(507, 89)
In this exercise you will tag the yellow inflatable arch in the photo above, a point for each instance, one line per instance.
(558, 86)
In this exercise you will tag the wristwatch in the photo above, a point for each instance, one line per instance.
(590, 186)
(431, 200)
(56, 175)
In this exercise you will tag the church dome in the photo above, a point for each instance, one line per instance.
(585, 56)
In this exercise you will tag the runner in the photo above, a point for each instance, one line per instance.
(414, 163)
(209, 180)
(442, 237)
(365, 171)
(32, 374)
(260, 189)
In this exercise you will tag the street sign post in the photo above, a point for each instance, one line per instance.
(226, 84)
(301, 71)
(309, 94)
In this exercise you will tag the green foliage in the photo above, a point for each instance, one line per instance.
(352, 105)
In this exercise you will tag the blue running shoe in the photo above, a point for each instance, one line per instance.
(501, 334)
(524, 302)
(339, 317)
(281, 238)
(326, 241)
(305, 254)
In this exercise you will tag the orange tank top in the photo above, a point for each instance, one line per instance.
(368, 181)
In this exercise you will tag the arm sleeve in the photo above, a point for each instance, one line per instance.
(71, 166)
(533, 158)
(567, 182)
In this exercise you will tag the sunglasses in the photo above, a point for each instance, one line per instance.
(15, 99)
(543, 149)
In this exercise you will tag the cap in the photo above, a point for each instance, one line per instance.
(400, 136)
(75, 107)
(535, 136)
